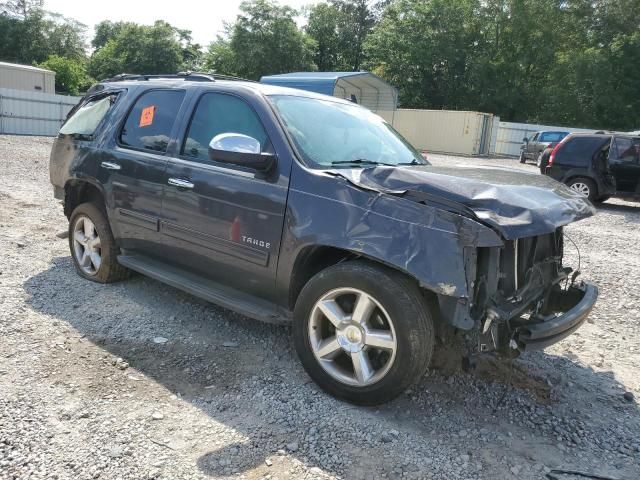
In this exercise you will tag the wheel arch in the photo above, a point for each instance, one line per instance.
(313, 259)
(78, 191)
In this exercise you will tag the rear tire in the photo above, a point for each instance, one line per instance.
(396, 339)
(93, 249)
(585, 187)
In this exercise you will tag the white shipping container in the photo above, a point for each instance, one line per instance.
(445, 131)
(25, 77)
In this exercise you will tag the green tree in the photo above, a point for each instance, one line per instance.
(71, 75)
(354, 24)
(133, 48)
(105, 31)
(264, 39)
(323, 20)
(424, 48)
(21, 8)
(33, 37)
(220, 57)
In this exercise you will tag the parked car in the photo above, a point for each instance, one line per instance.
(293, 207)
(598, 166)
(533, 147)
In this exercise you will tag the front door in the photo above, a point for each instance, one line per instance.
(532, 147)
(220, 220)
(624, 162)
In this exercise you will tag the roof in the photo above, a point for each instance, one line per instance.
(17, 66)
(181, 82)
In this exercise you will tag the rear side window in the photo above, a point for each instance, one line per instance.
(579, 151)
(150, 121)
(218, 113)
(85, 120)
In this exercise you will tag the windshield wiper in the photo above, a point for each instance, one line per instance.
(362, 161)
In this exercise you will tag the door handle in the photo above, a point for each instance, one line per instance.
(178, 182)
(110, 166)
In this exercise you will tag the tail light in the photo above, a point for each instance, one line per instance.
(554, 152)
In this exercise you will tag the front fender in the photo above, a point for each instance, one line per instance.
(425, 242)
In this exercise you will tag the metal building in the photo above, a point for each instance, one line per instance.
(447, 131)
(25, 77)
(365, 88)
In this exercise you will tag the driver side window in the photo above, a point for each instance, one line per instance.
(218, 113)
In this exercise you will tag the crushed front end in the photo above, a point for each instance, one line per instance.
(523, 296)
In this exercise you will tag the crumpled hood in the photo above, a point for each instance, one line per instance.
(515, 203)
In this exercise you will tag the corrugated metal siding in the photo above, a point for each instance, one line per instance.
(462, 133)
(368, 89)
(26, 113)
(30, 80)
(376, 97)
(510, 135)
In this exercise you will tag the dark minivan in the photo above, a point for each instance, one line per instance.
(598, 166)
(298, 208)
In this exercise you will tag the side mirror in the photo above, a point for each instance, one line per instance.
(525, 140)
(239, 149)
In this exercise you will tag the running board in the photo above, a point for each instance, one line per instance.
(240, 302)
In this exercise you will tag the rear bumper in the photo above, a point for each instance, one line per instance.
(575, 303)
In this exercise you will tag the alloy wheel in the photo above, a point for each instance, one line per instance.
(352, 337)
(582, 188)
(86, 245)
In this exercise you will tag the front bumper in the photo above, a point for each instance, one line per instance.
(568, 311)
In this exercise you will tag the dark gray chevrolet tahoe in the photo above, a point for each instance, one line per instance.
(287, 206)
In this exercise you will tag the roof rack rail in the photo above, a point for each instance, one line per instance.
(192, 76)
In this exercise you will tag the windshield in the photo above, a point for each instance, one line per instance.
(333, 134)
(552, 136)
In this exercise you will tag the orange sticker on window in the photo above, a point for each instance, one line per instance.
(146, 117)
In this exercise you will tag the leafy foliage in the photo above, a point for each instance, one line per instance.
(264, 39)
(71, 75)
(568, 62)
(29, 35)
(132, 48)
(339, 29)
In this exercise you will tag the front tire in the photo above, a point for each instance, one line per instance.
(363, 332)
(93, 249)
(523, 159)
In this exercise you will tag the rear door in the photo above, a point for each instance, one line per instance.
(220, 220)
(134, 168)
(624, 162)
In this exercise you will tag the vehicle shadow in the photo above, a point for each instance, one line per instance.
(245, 375)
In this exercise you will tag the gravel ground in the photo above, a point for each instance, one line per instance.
(137, 380)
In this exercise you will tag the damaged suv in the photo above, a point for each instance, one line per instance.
(293, 207)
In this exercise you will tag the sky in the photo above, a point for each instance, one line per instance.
(204, 19)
